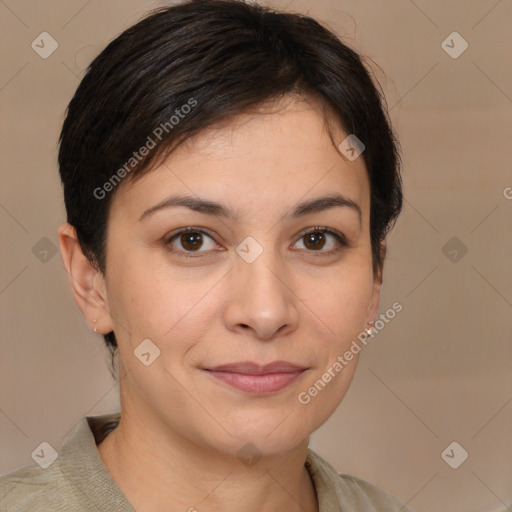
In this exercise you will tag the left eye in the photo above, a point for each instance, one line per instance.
(315, 240)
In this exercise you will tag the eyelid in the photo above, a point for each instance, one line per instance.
(324, 229)
(188, 229)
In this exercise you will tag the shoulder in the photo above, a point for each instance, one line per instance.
(347, 492)
(35, 489)
(370, 495)
(75, 481)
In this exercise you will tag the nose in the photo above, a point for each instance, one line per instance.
(261, 298)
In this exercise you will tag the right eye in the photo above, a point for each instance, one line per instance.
(191, 240)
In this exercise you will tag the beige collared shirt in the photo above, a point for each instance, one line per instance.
(78, 481)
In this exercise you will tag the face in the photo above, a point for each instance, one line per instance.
(252, 282)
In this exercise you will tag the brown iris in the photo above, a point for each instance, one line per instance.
(191, 241)
(316, 239)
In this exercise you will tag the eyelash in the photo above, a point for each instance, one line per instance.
(340, 238)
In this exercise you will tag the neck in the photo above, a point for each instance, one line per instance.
(168, 472)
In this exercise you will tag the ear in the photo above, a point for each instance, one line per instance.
(373, 306)
(87, 283)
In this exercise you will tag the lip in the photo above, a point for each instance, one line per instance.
(251, 368)
(257, 379)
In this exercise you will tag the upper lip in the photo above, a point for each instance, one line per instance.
(251, 368)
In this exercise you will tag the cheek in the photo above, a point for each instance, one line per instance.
(339, 301)
(154, 304)
(139, 304)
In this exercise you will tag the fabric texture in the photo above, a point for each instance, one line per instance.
(78, 481)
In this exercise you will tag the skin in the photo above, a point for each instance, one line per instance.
(181, 429)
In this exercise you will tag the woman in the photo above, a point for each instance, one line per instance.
(229, 176)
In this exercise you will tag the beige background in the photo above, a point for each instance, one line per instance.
(439, 372)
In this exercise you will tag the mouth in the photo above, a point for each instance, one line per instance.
(257, 379)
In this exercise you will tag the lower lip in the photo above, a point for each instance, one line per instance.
(266, 383)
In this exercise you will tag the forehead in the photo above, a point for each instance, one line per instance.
(260, 161)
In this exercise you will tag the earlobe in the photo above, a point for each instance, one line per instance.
(87, 283)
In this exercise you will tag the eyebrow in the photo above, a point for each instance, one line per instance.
(221, 210)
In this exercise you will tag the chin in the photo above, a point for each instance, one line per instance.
(250, 450)
(273, 438)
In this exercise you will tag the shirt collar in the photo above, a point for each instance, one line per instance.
(80, 461)
(82, 465)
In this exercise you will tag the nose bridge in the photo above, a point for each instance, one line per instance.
(261, 297)
(259, 266)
